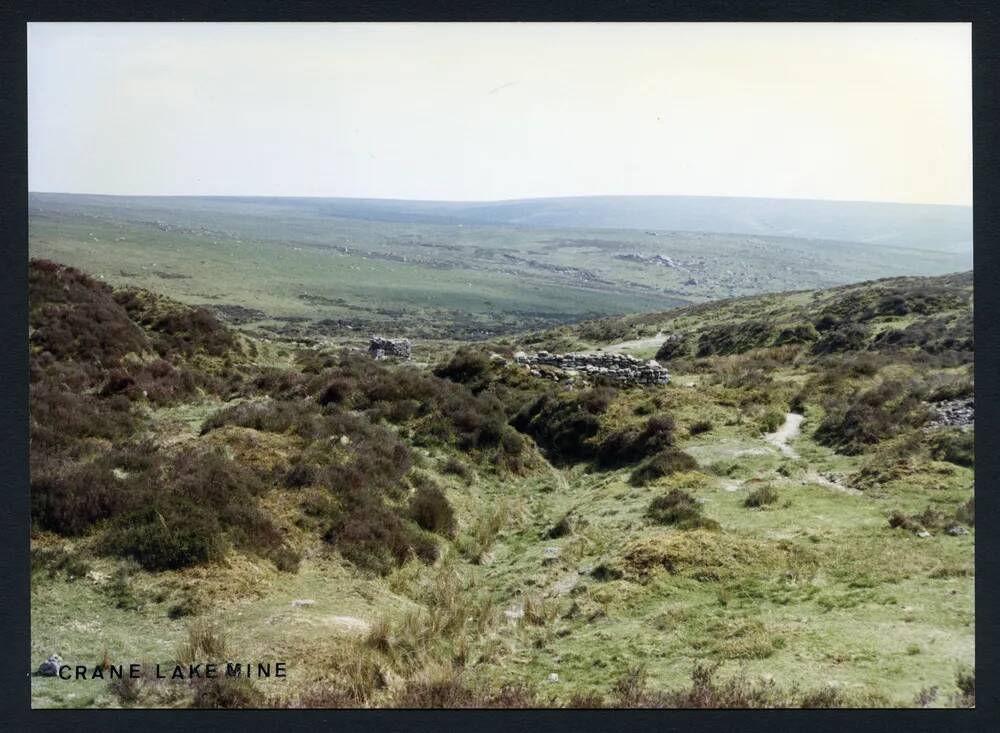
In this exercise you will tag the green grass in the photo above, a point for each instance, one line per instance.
(424, 279)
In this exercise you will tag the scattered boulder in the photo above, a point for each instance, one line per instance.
(50, 667)
(298, 602)
(550, 555)
(954, 414)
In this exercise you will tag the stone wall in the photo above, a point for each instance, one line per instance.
(959, 413)
(618, 367)
(383, 348)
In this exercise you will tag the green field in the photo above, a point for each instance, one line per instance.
(301, 271)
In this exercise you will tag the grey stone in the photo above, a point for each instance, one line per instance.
(50, 667)
(959, 413)
(385, 348)
(619, 367)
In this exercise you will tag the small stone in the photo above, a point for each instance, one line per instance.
(957, 530)
(550, 554)
(923, 533)
(50, 667)
(97, 577)
(303, 602)
(553, 677)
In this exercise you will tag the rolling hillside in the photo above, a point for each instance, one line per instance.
(320, 268)
(789, 522)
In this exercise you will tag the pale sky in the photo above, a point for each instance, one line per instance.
(871, 112)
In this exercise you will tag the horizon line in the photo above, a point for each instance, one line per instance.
(499, 201)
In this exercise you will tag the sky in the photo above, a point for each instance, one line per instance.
(865, 112)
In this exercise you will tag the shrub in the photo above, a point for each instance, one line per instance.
(430, 509)
(701, 426)
(119, 588)
(801, 333)
(464, 366)
(954, 446)
(71, 500)
(177, 330)
(630, 688)
(965, 680)
(171, 535)
(225, 693)
(873, 416)
(771, 421)
(57, 561)
(664, 463)
(75, 318)
(966, 513)
(846, 338)
(188, 604)
(562, 423)
(560, 529)
(374, 538)
(456, 467)
(761, 496)
(678, 508)
(286, 559)
(628, 445)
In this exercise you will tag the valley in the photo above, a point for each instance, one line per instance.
(455, 532)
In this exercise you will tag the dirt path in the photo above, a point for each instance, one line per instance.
(791, 429)
(646, 343)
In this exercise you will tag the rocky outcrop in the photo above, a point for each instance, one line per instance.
(383, 348)
(954, 414)
(617, 367)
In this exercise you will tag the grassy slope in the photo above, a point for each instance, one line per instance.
(430, 280)
(830, 594)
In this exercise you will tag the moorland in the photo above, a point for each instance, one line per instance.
(790, 521)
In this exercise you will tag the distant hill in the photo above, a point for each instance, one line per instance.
(928, 227)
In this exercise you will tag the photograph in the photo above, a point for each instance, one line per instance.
(577, 365)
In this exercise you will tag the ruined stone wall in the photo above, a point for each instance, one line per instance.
(383, 348)
(618, 367)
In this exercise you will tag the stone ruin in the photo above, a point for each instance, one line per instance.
(960, 413)
(383, 348)
(618, 367)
